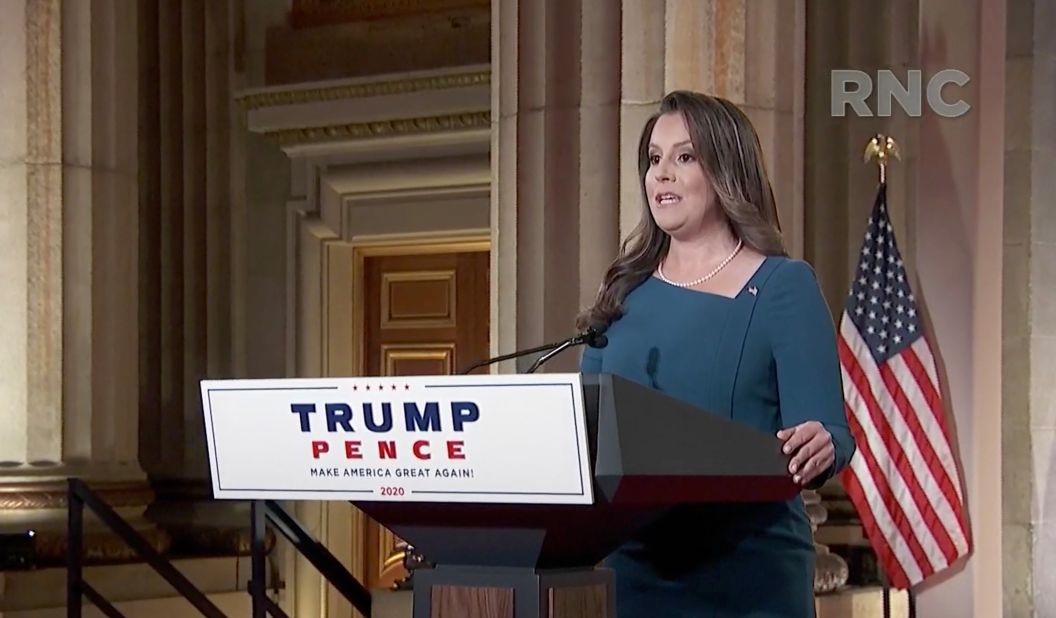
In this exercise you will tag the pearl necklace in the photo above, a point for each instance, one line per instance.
(660, 270)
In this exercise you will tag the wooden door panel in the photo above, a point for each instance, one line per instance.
(423, 314)
(418, 299)
(412, 359)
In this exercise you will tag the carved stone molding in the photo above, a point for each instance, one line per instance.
(311, 13)
(258, 100)
(100, 546)
(427, 104)
(382, 128)
(52, 495)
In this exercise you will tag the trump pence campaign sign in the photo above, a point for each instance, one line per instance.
(486, 438)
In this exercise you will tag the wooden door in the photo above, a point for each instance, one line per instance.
(423, 314)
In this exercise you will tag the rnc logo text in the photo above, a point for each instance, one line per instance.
(850, 87)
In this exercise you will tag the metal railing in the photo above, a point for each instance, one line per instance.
(80, 496)
(267, 511)
(262, 512)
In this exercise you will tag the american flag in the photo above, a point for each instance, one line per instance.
(903, 479)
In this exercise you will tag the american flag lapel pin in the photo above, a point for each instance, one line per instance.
(753, 290)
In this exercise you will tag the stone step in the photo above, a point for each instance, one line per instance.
(230, 603)
(28, 593)
(862, 603)
(138, 592)
(847, 603)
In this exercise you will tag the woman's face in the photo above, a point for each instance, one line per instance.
(680, 194)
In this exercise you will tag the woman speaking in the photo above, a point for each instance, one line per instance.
(703, 304)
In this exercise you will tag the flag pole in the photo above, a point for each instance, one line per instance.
(886, 599)
(882, 148)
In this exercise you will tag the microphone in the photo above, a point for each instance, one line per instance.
(592, 336)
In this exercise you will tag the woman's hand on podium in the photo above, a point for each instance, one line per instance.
(810, 445)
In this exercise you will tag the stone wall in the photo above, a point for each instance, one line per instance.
(1029, 321)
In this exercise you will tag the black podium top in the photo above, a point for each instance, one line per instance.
(649, 453)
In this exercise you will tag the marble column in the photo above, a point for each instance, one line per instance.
(555, 153)
(68, 256)
(1028, 424)
(186, 263)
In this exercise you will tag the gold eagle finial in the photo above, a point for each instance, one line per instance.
(882, 148)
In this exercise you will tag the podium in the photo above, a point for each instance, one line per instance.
(511, 543)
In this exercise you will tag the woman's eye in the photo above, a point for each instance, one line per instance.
(685, 157)
(654, 159)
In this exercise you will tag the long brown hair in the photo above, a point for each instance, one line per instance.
(729, 152)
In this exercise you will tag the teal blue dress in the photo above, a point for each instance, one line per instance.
(766, 358)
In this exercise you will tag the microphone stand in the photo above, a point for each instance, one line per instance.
(511, 355)
(592, 336)
(552, 353)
